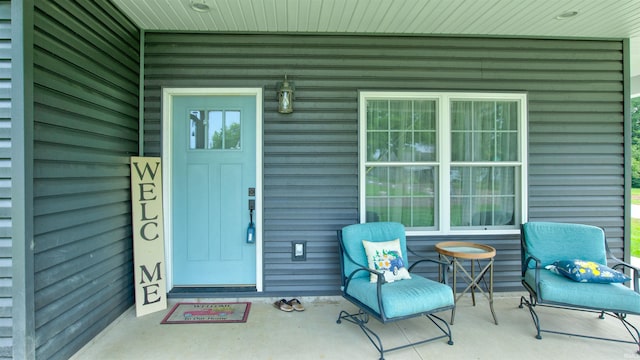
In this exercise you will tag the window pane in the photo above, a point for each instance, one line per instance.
(461, 115)
(423, 212)
(378, 115)
(196, 129)
(424, 138)
(401, 115)
(377, 146)
(460, 149)
(482, 196)
(215, 130)
(484, 115)
(424, 115)
(399, 181)
(232, 130)
(401, 146)
(401, 193)
(377, 182)
(424, 147)
(400, 210)
(423, 181)
(401, 130)
(219, 130)
(456, 175)
(377, 209)
(506, 146)
(506, 115)
(483, 146)
(458, 206)
(484, 131)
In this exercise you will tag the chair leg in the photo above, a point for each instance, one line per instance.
(632, 330)
(447, 332)
(361, 319)
(530, 305)
(634, 334)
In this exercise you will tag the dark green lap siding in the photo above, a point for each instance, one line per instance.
(576, 126)
(86, 71)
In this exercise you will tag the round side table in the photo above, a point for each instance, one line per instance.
(458, 251)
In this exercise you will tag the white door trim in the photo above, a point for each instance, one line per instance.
(167, 145)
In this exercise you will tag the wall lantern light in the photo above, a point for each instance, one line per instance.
(285, 97)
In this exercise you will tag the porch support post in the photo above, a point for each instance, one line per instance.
(628, 130)
(22, 113)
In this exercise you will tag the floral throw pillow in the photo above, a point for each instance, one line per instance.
(587, 271)
(386, 257)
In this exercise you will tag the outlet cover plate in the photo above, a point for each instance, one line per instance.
(298, 250)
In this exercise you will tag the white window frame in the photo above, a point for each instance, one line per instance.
(444, 154)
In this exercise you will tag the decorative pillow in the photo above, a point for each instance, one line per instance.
(386, 257)
(587, 271)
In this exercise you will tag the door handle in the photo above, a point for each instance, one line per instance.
(251, 230)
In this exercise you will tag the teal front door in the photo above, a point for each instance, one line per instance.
(213, 180)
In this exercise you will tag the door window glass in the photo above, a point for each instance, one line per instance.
(214, 129)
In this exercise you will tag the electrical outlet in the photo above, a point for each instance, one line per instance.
(299, 250)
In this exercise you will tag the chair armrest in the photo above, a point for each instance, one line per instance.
(424, 258)
(442, 264)
(366, 269)
(525, 265)
(537, 268)
(362, 268)
(354, 272)
(381, 281)
(620, 265)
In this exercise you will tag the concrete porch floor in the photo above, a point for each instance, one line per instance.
(313, 334)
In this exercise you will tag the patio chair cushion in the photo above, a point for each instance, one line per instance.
(551, 242)
(386, 257)
(556, 288)
(402, 298)
(587, 271)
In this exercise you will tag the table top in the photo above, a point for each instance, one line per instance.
(465, 250)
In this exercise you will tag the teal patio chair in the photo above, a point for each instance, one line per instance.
(566, 266)
(384, 299)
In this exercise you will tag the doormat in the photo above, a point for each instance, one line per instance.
(199, 313)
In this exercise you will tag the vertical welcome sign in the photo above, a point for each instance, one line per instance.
(148, 236)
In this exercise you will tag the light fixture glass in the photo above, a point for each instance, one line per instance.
(285, 97)
(200, 6)
(566, 15)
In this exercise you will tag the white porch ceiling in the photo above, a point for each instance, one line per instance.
(535, 18)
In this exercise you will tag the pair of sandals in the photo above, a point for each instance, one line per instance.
(288, 306)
